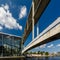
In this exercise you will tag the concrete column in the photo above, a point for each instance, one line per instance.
(37, 28)
(32, 19)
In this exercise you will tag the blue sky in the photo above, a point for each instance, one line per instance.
(17, 11)
(14, 14)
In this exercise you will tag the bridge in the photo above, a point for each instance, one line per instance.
(51, 33)
(36, 10)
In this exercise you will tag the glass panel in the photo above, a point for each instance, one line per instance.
(9, 46)
(0, 45)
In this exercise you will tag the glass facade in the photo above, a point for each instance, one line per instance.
(10, 45)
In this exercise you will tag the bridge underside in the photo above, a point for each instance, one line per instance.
(50, 39)
(39, 7)
(51, 33)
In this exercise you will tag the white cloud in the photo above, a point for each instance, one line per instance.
(23, 12)
(36, 48)
(1, 27)
(58, 45)
(50, 46)
(7, 20)
(6, 7)
(43, 46)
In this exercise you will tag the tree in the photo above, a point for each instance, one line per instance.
(34, 52)
(41, 53)
(46, 53)
(31, 52)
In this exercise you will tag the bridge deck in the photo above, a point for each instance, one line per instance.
(51, 33)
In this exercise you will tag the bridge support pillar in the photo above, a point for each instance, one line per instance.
(37, 28)
(32, 19)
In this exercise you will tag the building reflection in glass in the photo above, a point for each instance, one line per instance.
(10, 45)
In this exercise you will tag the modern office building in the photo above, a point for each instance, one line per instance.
(10, 45)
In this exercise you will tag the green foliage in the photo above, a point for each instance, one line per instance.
(46, 53)
(34, 52)
(41, 53)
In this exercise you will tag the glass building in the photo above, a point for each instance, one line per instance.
(10, 45)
